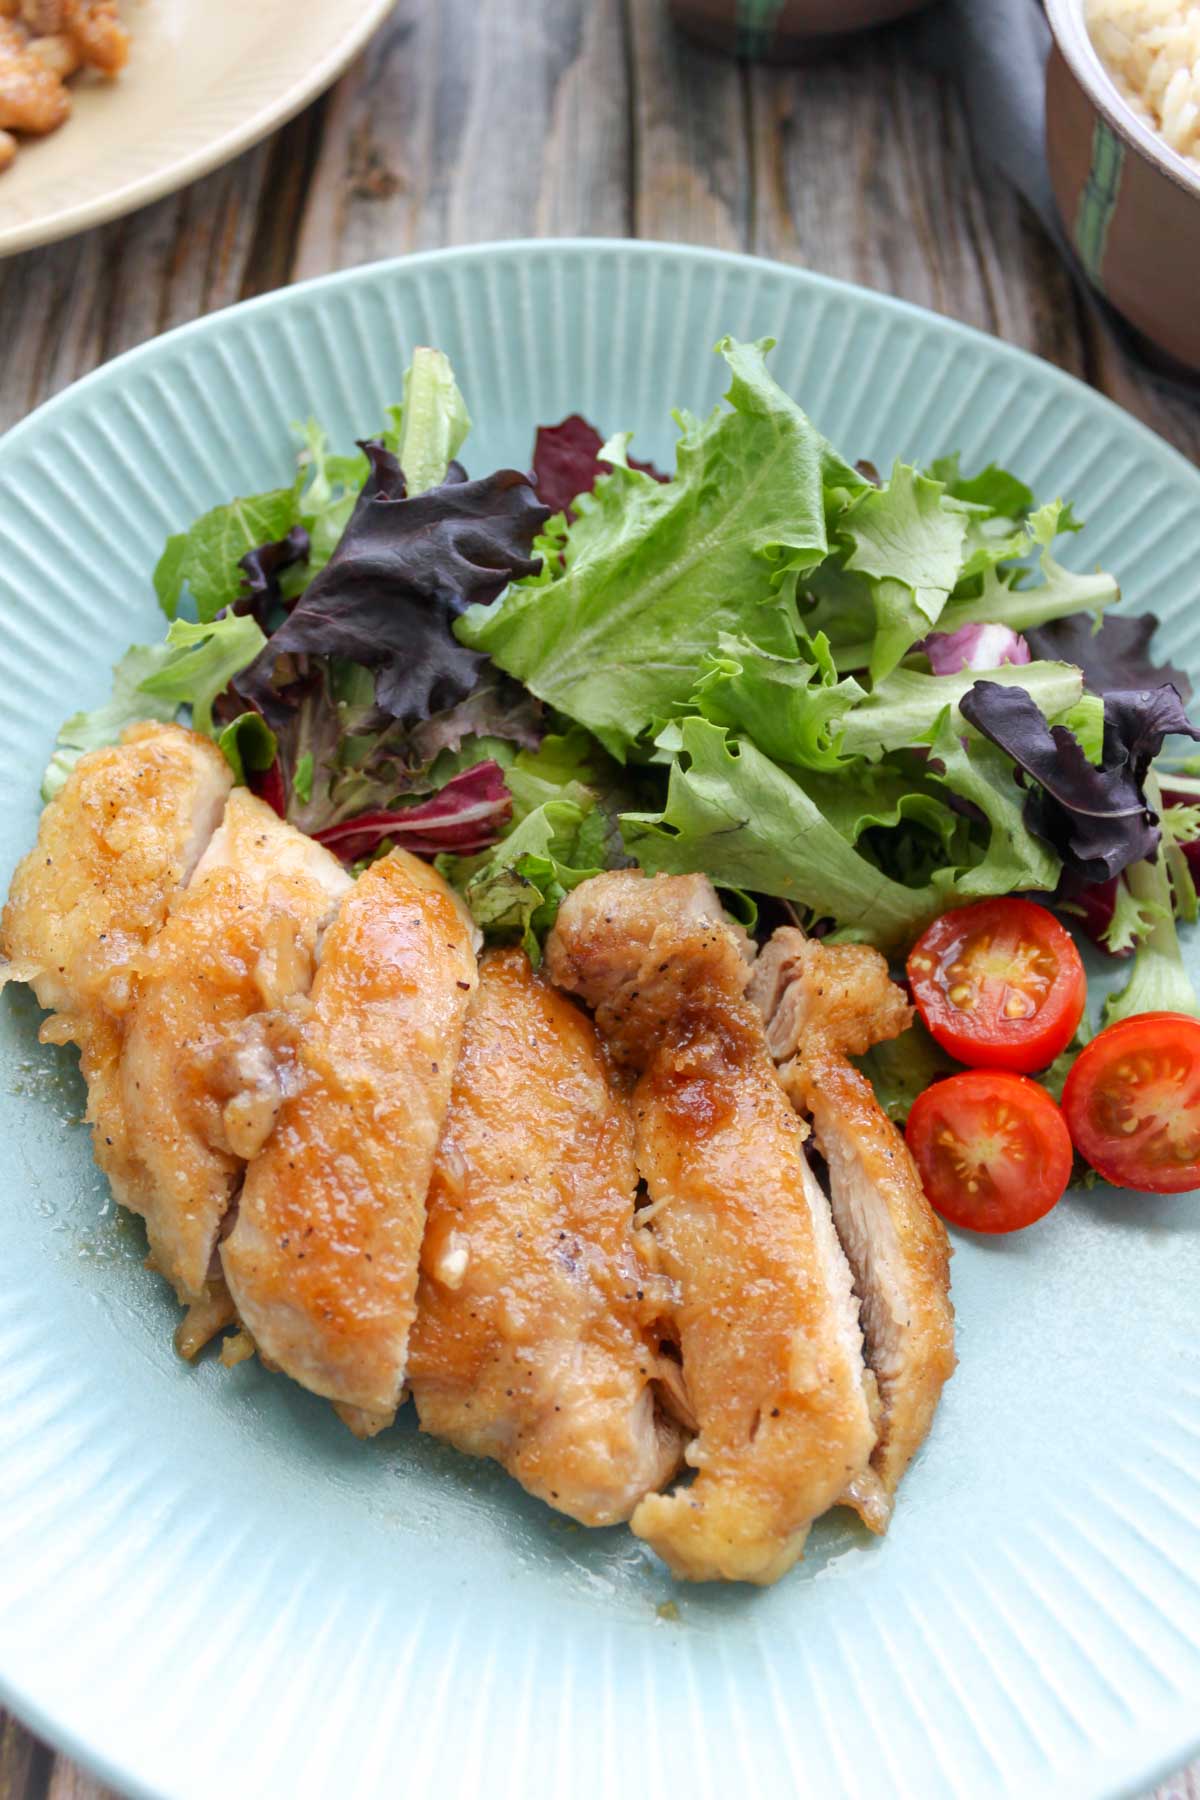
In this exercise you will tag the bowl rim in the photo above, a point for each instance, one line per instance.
(1069, 29)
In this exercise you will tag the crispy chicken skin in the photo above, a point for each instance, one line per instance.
(766, 1320)
(820, 1002)
(209, 1046)
(113, 849)
(529, 1344)
(322, 1260)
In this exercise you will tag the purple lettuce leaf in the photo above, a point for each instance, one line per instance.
(566, 462)
(1116, 656)
(404, 570)
(466, 815)
(1097, 819)
(261, 593)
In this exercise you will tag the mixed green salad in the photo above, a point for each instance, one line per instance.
(852, 700)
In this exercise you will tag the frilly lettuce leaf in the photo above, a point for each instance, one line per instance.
(1014, 859)
(404, 568)
(202, 660)
(561, 834)
(1098, 818)
(655, 571)
(745, 821)
(907, 538)
(1158, 981)
(792, 708)
(902, 710)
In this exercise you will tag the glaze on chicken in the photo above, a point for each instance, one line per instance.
(821, 1004)
(530, 1344)
(766, 1321)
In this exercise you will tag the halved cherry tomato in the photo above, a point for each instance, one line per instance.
(999, 984)
(993, 1151)
(1132, 1103)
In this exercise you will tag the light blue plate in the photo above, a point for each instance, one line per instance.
(207, 1587)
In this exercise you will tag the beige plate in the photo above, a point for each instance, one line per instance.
(206, 79)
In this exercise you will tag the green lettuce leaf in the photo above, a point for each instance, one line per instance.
(1002, 600)
(1014, 860)
(1000, 493)
(434, 421)
(247, 743)
(907, 538)
(128, 705)
(1158, 981)
(749, 825)
(203, 659)
(903, 1067)
(791, 708)
(333, 485)
(902, 710)
(205, 557)
(654, 572)
(559, 836)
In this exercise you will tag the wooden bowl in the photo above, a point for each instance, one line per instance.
(784, 30)
(1128, 202)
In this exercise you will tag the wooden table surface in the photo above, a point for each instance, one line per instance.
(476, 119)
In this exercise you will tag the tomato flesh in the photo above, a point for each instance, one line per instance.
(1132, 1103)
(1000, 985)
(992, 1149)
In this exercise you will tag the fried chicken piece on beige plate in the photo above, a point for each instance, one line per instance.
(822, 1004)
(531, 1343)
(210, 1046)
(322, 1260)
(766, 1319)
(114, 848)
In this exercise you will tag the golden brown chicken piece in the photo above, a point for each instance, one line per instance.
(530, 1343)
(766, 1320)
(821, 1002)
(113, 849)
(209, 1048)
(32, 98)
(96, 31)
(322, 1260)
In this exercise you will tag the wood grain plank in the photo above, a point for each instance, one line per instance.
(864, 170)
(693, 175)
(468, 121)
(69, 1782)
(25, 1764)
(68, 308)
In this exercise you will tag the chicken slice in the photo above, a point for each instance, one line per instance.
(529, 1344)
(322, 1259)
(821, 1002)
(113, 849)
(766, 1320)
(211, 1040)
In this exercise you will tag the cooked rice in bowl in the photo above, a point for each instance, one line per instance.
(1151, 48)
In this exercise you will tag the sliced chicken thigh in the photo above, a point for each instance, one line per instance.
(322, 1259)
(113, 849)
(530, 1344)
(819, 1002)
(766, 1320)
(212, 1040)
